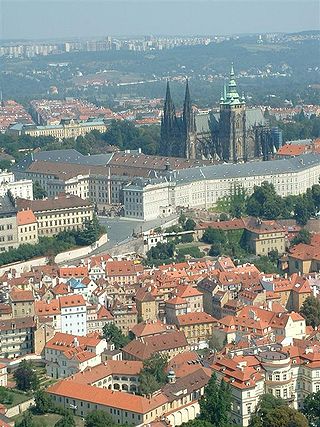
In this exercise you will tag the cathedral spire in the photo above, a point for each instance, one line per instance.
(188, 118)
(168, 103)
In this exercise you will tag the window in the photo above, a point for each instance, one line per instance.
(278, 393)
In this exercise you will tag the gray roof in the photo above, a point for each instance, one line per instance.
(7, 207)
(69, 155)
(241, 170)
(254, 116)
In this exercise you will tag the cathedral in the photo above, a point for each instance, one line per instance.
(234, 134)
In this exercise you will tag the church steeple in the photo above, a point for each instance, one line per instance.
(232, 95)
(188, 118)
(169, 110)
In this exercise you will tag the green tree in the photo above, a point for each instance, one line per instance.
(197, 423)
(211, 236)
(67, 420)
(304, 236)
(43, 402)
(26, 420)
(162, 251)
(113, 334)
(316, 196)
(272, 411)
(5, 397)
(186, 238)
(99, 418)
(264, 202)
(153, 374)
(189, 225)
(301, 212)
(215, 404)
(26, 377)
(156, 366)
(182, 219)
(38, 191)
(310, 310)
(311, 408)
(148, 383)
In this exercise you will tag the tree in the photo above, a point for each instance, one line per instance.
(301, 212)
(311, 408)
(148, 384)
(264, 202)
(25, 377)
(38, 191)
(153, 374)
(5, 397)
(99, 418)
(310, 310)
(182, 219)
(156, 366)
(162, 251)
(186, 238)
(215, 404)
(304, 236)
(67, 420)
(189, 225)
(26, 420)
(211, 235)
(197, 423)
(43, 402)
(113, 334)
(273, 411)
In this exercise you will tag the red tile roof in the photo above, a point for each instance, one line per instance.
(26, 217)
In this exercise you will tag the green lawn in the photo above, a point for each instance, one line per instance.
(17, 397)
(49, 420)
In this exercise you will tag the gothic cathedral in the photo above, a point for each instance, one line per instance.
(234, 134)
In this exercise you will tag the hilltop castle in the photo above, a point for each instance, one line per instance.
(234, 134)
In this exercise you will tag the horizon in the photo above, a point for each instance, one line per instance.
(61, 19)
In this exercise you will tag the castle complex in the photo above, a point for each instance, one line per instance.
(234, 134)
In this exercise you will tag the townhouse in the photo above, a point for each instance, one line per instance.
(66, 354)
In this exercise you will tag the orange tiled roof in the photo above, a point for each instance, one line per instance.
(71, 301)
(195, 319)
(105, 397)
(26, 217)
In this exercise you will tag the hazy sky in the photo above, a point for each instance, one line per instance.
(85, 18)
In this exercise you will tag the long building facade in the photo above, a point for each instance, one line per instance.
(202, 187)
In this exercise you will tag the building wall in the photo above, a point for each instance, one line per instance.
(53, 222)
(74, 320)
(262, 244)
(16, 342)
(205, 193)
(8, 232)
(28, 233)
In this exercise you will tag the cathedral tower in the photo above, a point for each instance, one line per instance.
(189, 127)
(170, 128)
(232, 123)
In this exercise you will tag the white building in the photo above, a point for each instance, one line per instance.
(22, 188)
(202, 187)
(73, 315)
(290, 373)
(66, 354)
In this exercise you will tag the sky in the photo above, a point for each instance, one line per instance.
(45, 19)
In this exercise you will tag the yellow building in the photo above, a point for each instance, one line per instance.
(197, 327)
(27, 227)
(146, 305)
(264, 236)
(68, 128)
(57, 214)
(22, 303)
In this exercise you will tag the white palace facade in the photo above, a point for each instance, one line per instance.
(202, 187)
